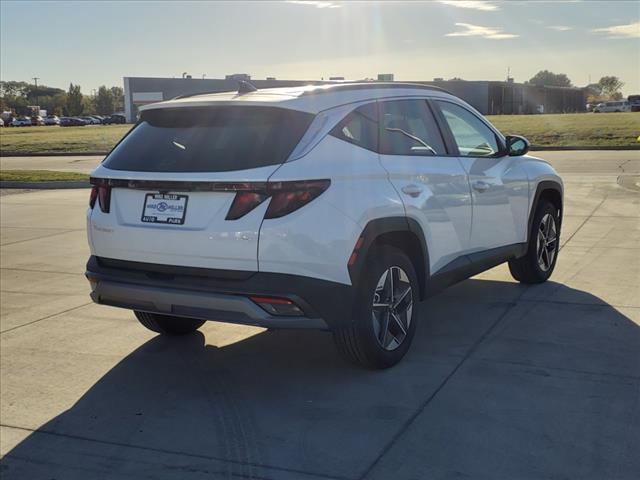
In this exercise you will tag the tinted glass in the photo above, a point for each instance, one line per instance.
(409, 129)
(360, 127)
(473, 137)
(212, 139)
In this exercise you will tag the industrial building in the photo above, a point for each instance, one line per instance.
(488, 97)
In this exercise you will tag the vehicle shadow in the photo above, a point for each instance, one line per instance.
(496, 385)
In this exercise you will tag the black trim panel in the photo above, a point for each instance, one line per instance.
(472, 264)
(540, 189)
(380, 226)
(330, 301)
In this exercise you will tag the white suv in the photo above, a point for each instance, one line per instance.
(337, 207)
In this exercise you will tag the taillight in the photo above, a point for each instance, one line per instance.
(93, 196)
(278, 306)
(290, 196)
(243, 203)
(101, 190)
(286, 197)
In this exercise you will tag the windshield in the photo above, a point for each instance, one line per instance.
(209, 139)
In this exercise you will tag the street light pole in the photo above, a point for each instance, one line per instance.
(35, 79)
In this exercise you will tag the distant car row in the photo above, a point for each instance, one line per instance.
(609, 107)
(66, 121)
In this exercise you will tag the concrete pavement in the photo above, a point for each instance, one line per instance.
(502, 381)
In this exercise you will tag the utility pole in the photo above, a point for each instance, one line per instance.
(35, 79)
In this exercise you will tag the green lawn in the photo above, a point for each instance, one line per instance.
(573, 129)
(40, 176)
(54, 139)
(579, 129)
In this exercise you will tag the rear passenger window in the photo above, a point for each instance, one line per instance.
(409, 129)
(360, 127)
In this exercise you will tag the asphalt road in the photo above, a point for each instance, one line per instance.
(502, 381)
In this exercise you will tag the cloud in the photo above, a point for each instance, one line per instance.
(470, 30)
(472, 4)
(632, 30)
(317, 4)
(560, 28)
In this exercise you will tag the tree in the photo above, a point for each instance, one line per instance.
(545, 77)
(118, 98)
(610, 87)
(74, 100)
(104, 101)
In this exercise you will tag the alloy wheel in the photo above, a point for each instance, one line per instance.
(546, 245)
(392, 308)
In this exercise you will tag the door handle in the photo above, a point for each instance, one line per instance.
(481, 186)
(412, 190)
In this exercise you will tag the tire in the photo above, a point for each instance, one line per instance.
(537, 266)
(168, 324)
(362, 342)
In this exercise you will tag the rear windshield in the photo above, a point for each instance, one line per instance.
(212, 139)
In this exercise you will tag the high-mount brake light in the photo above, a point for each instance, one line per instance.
(286, 197)
(101, 190)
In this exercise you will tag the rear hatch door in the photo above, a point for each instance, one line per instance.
(169, 192)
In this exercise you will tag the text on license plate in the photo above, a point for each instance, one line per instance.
(164, 208)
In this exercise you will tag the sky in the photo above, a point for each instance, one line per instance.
(95, 43)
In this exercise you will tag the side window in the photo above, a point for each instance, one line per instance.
(473, 137)
(360, 127)
(408, 128)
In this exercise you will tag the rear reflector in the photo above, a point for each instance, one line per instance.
(278, 306)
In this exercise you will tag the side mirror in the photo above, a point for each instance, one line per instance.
(517, 145)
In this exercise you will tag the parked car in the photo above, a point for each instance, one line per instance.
(634, 103)
(72, 122)
(1, 123)
(118, 119)
(90, 120)
(52, 120)
(338, 207)
(607, 107)
(21, 122)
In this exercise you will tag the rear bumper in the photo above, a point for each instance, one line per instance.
(219, 295)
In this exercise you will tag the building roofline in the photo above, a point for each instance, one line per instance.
(348, 86)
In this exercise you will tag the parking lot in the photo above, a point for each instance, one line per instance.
(502, 381)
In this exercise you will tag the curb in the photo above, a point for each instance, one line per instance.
(53, 154)
(45, 185)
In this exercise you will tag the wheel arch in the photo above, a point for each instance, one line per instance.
(546, 190)
(400, 232)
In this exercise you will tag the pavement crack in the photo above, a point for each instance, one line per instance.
(422, 407)
(583, 223)
(37, 238)
(45, 318)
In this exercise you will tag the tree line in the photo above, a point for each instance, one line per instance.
(607, 88)
(17, 97)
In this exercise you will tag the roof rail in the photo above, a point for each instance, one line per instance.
(341, 87)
